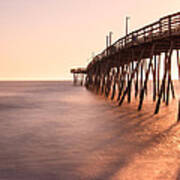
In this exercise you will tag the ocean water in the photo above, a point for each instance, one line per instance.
(57, 131)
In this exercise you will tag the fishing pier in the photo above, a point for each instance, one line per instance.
(129, 63)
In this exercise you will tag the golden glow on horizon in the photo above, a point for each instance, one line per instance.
(44, 39)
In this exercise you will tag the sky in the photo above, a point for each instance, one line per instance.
(44, 39)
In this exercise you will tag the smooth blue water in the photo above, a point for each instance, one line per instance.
(57, 131)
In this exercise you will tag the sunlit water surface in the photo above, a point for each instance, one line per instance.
(57, 131)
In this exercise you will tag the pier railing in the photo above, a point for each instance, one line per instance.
(165, 27)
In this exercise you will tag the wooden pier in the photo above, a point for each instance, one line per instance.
(132, 59)
(78, 74)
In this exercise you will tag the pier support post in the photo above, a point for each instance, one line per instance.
(146, 79)
(167, 60)
(122, 82)
(142, 78)
(103, 83)
(107, 86)
(131, 78)
(178, 118)
(74, 78)
(109, 83)
(145, 71)
(129, 90)
(137, 83)
(172, 90)
(158, 73)
(165, 70)
(178, 63)
(103, 79)
(169, 81)
(154, 79)
(116, 74)
(82, 79)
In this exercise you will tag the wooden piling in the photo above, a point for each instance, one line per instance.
(145, 70)
(114, 84)
(178, 117)
(129, 89)
(158, 73)
(146, 78)
(131, 78)
(178, 62)
(137, 83)
(142, 78)
(122, 82)
(169, 81)
(167, 59)
(165, 70)
(154, 79)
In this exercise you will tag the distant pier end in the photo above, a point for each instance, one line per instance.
(78, 75)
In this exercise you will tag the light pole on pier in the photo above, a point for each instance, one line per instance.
(110, 37)
(127, 18)
(107, 42)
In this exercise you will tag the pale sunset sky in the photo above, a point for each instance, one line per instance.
(43, 39)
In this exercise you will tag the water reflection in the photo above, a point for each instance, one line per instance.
(51, 130)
